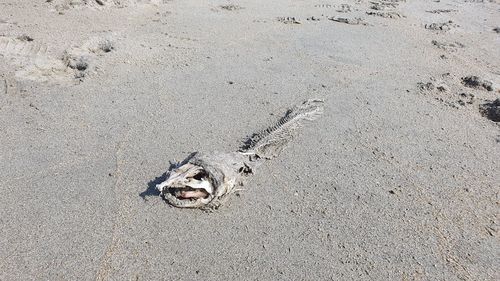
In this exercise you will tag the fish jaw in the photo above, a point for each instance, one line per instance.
(187, 186)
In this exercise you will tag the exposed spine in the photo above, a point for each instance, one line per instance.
(270, 142)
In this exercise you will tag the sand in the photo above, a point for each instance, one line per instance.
(398, 180)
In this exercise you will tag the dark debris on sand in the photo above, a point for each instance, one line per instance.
(475, 82)
(491, 110)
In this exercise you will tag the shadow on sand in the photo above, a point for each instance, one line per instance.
(151, 189)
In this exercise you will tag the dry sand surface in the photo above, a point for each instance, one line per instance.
(398, 180)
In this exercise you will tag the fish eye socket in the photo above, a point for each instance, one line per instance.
(200, 176)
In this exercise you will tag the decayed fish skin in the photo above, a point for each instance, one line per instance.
(205, 180)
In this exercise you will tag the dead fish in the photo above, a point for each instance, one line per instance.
(205, 180)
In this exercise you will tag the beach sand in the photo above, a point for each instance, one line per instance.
(398, 180)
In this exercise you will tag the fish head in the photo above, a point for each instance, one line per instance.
(187, 186)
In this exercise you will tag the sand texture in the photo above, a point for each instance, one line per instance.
(397, 180)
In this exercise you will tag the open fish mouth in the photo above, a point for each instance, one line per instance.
(188, 193)
(187, 186)
(203, 180)
(179, 199)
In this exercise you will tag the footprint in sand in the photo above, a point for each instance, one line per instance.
(61, 5)
(462, 92)
(350, 21)
(475, 82)
(32, 61)
(21, 46)
(383, 5)
(313, 18)
(441, 26)
(388, 14)
(385, 9)
(448, 46)
(289, 20)
(344, 8)
(230, 7)
(491, 110)
(441, 11)
(81, 59)
(323, 6)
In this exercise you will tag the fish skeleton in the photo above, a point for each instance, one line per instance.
(205, 180)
